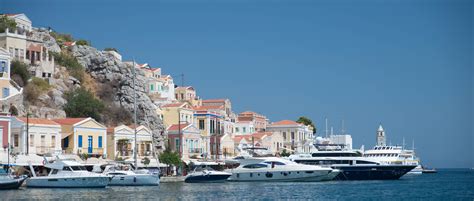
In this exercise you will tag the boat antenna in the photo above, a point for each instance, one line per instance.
(134, 117)
(403, 145)
(326, 127)
(343, 130)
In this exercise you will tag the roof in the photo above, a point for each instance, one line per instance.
(380, 128)
(286, 122)
(187, 87)
(176, 127)
(67, 43)
(173, 105)
(38, 121)
(248, 112)
(209, 107)
(214, 100)
(69, 121)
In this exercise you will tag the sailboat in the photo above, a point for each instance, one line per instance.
(8, 180)
(124, 175)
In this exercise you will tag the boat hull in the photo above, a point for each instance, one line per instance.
(373, 172)
(12, 184)
(69, 182)
(135, 180)
(206, 178)
(284, 176)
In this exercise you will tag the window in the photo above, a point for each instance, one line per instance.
(292, 135)
(236, 129)
(16, 138)
(177, 144)
(28, 55)
(53, 141)
(22, 53)
(244, 129)
(254, 166)
(100, 141)
(284, 136)
(274, 162)
(152, 87)
(201, 124)
(79, 141)
(32, 140)
(66, 142)
(6, 92)
(3, 67)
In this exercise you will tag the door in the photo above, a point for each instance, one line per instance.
(89, 147)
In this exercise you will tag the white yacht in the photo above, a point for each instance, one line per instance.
(394, 155)
(206, 175)
(68, 174)
(124, 175)
(278, 169)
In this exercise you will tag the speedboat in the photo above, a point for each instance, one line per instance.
(278, 169)
(123, 175)
(67, 174)
(8, 181)
(206, 175)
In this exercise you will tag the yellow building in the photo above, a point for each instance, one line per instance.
(177, 112)
(8, 88)
(83, 136)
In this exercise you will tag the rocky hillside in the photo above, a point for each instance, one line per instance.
(116, 78)
(109, 79)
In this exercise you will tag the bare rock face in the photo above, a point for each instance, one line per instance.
(105, 68)
(44, 36)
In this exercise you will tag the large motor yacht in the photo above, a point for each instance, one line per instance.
(278, 169)
(395, 155)
(124, 175)
(68, 174)
(351, 163)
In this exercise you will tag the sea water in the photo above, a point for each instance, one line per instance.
(447, 184)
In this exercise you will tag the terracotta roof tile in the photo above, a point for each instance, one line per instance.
(209, 107)
(286, 122)
(214, 100)
(38, 121)
(175, 127)
(68, 121)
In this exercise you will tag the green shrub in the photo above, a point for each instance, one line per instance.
(5, 23)
(40, 83)
(83, 42)
(82, 103)
(74, 68)
(31, 93)
(61, 38)
(111, 49)
(19, 73)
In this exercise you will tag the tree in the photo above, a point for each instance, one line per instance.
(82, 103)
(19, 73)
(170, 158)
(306, 121)
(6, 23)
(146, 161)
(284, 153)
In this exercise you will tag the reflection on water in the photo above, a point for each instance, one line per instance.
(443, 185)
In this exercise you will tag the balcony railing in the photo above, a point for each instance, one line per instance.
(195, 150)
(95, 151)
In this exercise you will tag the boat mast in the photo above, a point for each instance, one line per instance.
(326, 127)
(134, 117)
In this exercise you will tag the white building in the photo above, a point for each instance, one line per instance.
(122, 142)
(244, 128)
(43, 136)
(297, 137)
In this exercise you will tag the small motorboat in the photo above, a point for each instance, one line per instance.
(206, 175)
(123, 175)
(8, 181)
(67, 174)
(429, 170)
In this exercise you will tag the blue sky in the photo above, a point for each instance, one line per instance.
(407, 64)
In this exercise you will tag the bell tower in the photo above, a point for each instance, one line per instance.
(381, 141)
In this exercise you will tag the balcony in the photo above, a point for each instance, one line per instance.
(195, 150)
(41, 150)
(95, 151)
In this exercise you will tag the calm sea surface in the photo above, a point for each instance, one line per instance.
(445, 185)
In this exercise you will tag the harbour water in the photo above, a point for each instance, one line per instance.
(447, 184)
